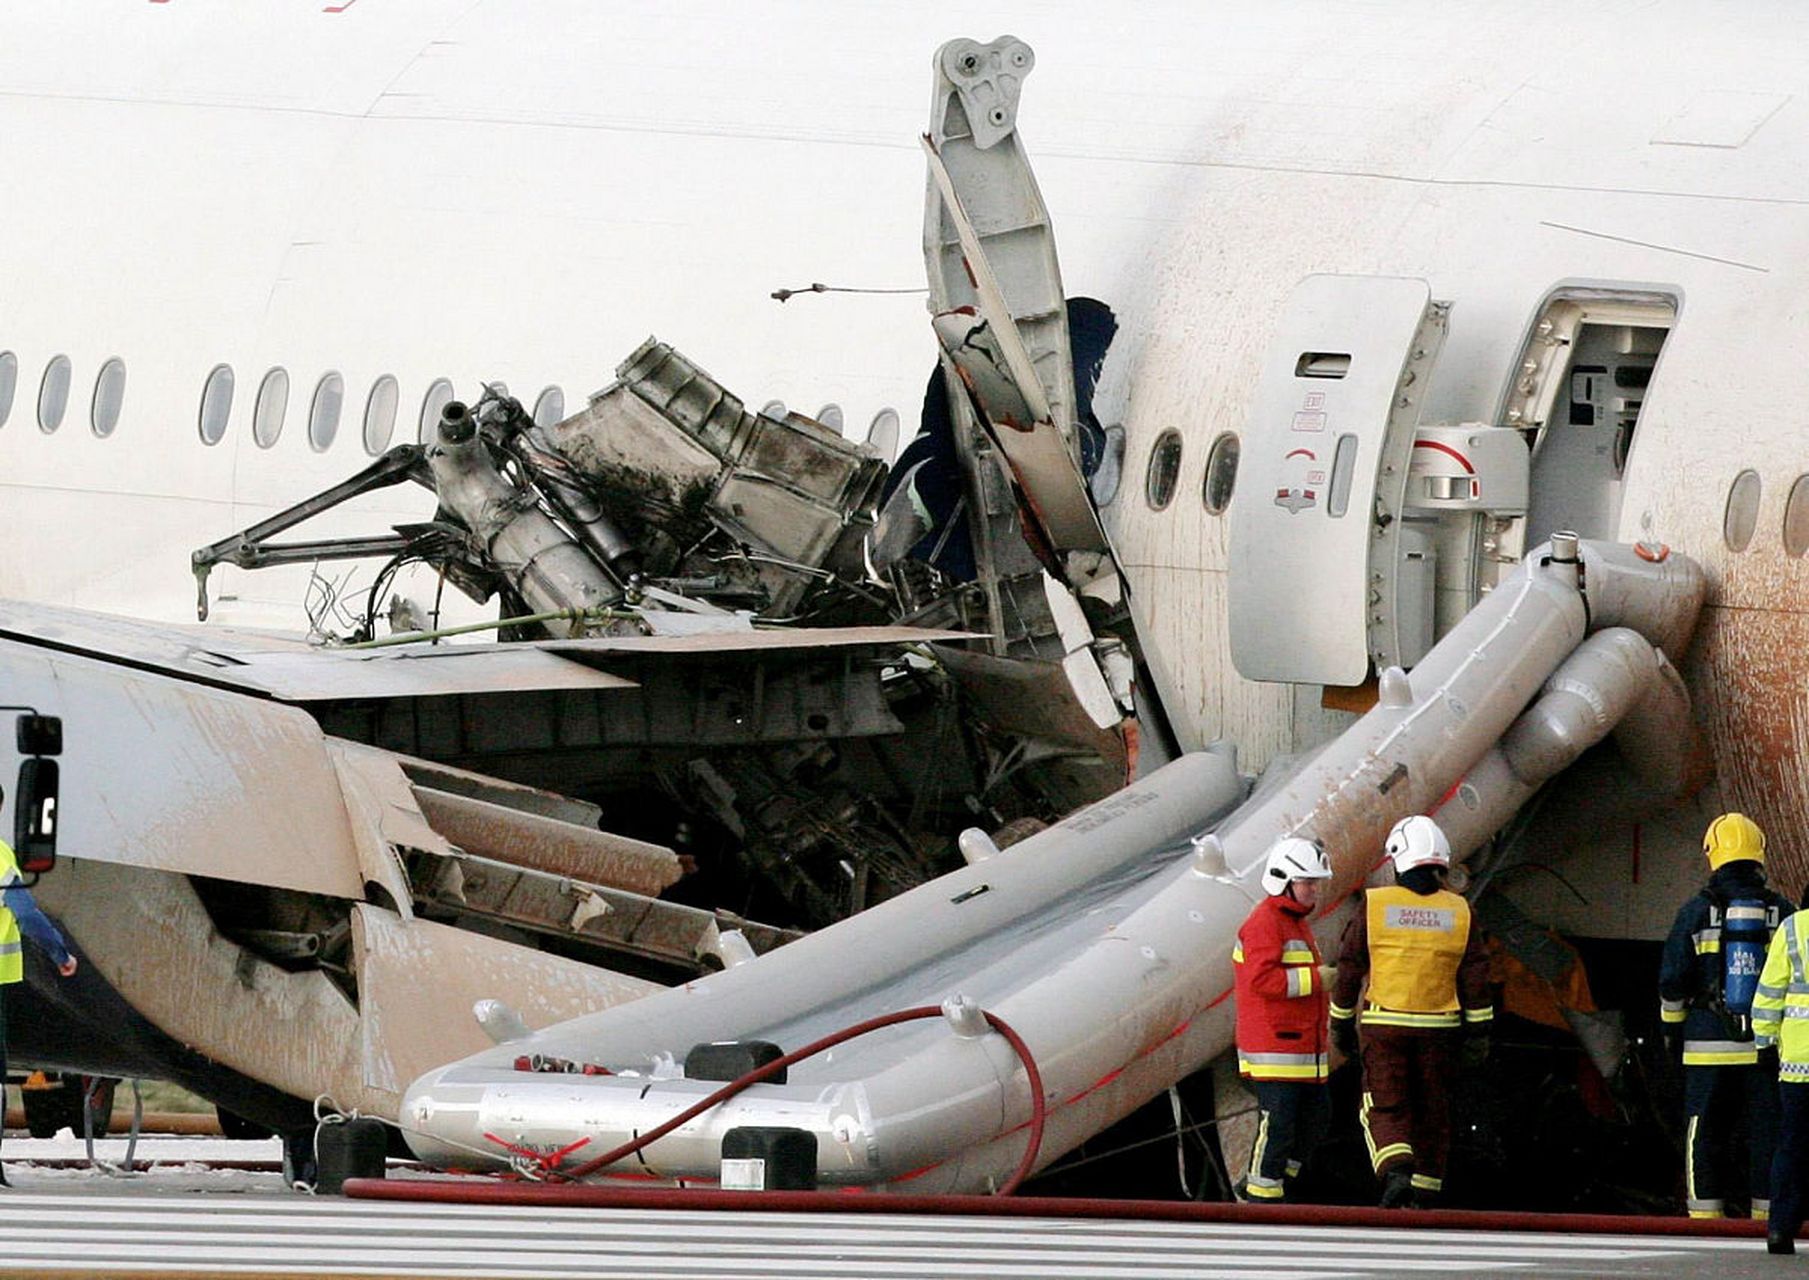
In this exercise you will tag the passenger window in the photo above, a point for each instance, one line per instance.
(53, 394)
(9, 383)
(882, 433)
(830, 415)
(1796, 518)
(216, 404)
(323, 414)
(380, 415)
(1221, 474)
(438, 396)
(1164, 470)
(109, 397)
(272, 406)
(550, 407)
(1742, 515)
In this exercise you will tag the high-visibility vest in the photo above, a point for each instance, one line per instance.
(1780, 1007)
(1416, 943)
(12, 954)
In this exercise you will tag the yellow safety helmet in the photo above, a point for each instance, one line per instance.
(1731, 838)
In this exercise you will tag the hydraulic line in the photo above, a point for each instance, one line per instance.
(1038, 1110)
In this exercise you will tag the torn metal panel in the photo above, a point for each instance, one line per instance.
(419, 982)
(562, 848)
(384, 816)
(552, 904)
(511, 795)
(148, 934)
(1006, 220)
(1036, 699)
(673, 456)
(175, 776)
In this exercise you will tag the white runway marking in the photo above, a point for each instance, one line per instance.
(135, 1228)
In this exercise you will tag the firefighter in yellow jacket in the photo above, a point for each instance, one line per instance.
(1428, 1004)
(1780, 1022)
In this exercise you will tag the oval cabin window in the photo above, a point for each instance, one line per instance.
(1796, 518)
(53, 394)
(1742, 511)
(1221, 474)
(272, 406)
(9, 383)
(550, 407)
(216, 404)
(109, 397)
(438, 396)
(323, 413)
(380, 415)
(882, 433)
(1164, 470)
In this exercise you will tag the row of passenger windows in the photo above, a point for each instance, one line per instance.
(1165, 472)
(325, 406)
(1740, 520)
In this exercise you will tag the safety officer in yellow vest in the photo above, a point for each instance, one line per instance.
(1428, 1007)
(19, 913)
(1706, 982)
(1780, 1022)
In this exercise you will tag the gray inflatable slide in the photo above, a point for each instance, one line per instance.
(1105, 940)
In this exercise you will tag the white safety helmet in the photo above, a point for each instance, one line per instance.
(1294, 858)
(1418, 842)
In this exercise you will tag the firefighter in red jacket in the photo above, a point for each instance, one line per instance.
(1281, 1017)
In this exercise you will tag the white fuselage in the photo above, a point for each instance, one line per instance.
(522, 192)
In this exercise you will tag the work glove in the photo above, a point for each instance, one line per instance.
(1768, 1061)
(1344, 1036)
(1673, 1033)
(1477, 1045)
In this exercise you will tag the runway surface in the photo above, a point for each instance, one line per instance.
(187, 1219)
(141, 1230)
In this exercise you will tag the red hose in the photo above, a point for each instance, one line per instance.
(1038, 1109)
(484, 1191)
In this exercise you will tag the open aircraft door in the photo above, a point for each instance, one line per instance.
(1326, 581)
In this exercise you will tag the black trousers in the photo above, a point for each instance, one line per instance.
(1715, 1098)
(1791, 1161)
(1294, 1115)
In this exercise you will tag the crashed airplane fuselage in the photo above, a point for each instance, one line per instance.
(1338, 414)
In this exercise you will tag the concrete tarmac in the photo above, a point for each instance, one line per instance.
(186, 1219)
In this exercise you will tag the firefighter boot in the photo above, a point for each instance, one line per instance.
(1397, 1188)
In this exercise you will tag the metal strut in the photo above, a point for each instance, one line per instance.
(248, 549)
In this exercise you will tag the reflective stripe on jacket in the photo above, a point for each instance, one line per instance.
(1281, 1004)
(1780, 1010)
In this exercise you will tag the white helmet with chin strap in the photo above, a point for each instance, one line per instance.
(1418, 842)
(1294, 858)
